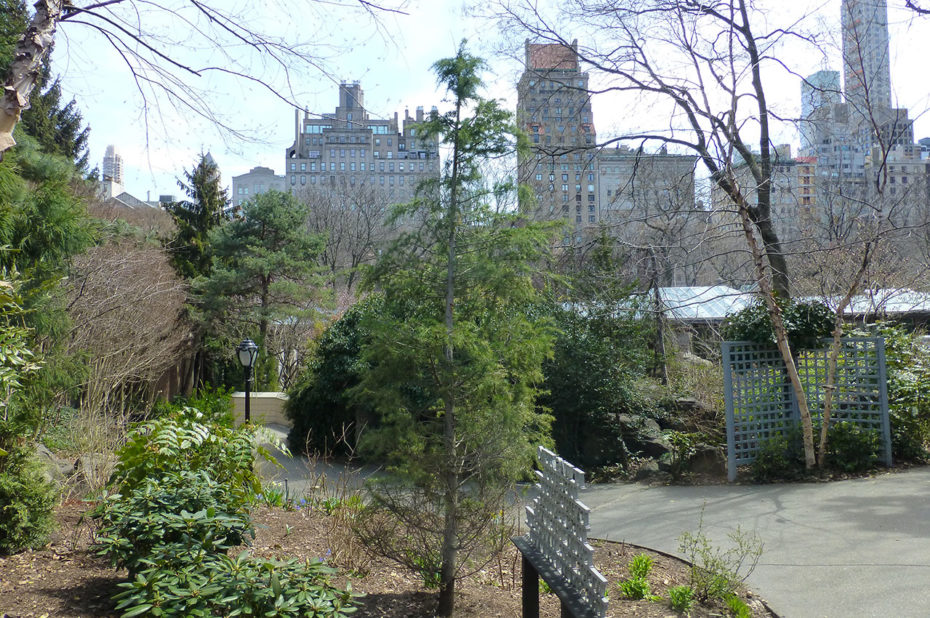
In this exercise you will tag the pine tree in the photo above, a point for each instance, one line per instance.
(195, 217)
(455, 356)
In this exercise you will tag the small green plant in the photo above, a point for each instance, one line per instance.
(428, 569)
(637, 587)
(272, 495)
(851, 448)
(683, 447)
(806, 324)
(640, 566)
(716, 572)
(737, 606)
(544, 587)
(681, 598)
(634, 588)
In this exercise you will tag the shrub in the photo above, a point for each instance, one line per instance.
(637, 587)
(215, 405)
(26, 502)
(805, 322)
(182, 442)
(243, 585)
(851, 448)
(779, 458)
(681, 598)
(326, 419)
(165, 521)
(716, 572)
(592, 380)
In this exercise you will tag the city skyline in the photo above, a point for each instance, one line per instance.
(395, 74)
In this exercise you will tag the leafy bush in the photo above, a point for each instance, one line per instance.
(908, 364)
(737, 606)
(215, 405)
(326, 419)
(165, 520)
(851, 448)
(183, 442)
(244, 585)
(640, 565)
(805, 322)
(590, 381)
(681, 598)
(779, 458)
(26, 501)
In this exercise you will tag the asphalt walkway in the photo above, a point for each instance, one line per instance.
(841, 549)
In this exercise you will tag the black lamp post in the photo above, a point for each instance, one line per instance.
(247, 351)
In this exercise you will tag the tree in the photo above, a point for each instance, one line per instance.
(263, 273)
(353, 219)
(705, 64)
(204, 210)
(455, 359)
(165, 63)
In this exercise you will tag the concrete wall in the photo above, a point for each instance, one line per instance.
(266, 408)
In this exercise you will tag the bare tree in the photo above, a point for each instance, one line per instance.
(167, 63)
(125, 303)
(704, 64)
(353, 218)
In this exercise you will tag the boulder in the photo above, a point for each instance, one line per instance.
(55, 469)
(708, 459)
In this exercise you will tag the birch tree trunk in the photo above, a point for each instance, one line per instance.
(19, 83)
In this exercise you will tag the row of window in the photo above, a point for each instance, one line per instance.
(412, 167)
(401, 180)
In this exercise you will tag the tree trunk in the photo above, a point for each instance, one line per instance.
(21, 79)
(450, 516)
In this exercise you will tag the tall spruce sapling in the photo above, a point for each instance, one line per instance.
(455, 357)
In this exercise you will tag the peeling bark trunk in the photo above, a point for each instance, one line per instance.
(781, 337)
(24, 71)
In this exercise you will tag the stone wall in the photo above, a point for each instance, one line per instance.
(265, 407)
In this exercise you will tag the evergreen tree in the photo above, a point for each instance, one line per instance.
(455, 356)
(58, 129)
(264, 271)
(13, 22)
(195, 217)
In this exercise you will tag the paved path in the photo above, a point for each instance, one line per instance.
(842, 549)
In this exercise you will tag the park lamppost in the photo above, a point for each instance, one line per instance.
(247, 351)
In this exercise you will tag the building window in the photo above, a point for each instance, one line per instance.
(293, 179)
(538, 176)
(352, 166)
(303, 167)
(342, 166)
(390, 154)
(303, 179)
(293, 166)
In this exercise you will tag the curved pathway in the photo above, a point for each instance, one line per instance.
(842, 549)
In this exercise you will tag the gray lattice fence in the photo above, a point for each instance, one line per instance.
(761, 403)
(556, 545)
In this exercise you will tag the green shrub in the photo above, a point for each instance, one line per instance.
(681, 598)
(215, 404)
(26, 501)
(737, 606)
(165, 521)
(182, 441)
(805, 322)
(326, 419)
(851, 448)
(234, 586)
(779, 458)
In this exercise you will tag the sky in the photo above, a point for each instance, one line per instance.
(391, 58)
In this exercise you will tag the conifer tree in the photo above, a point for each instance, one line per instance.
(455, 357)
